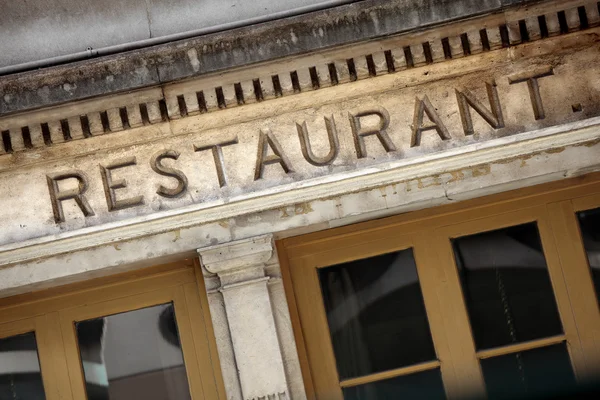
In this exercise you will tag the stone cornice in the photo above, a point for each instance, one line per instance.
(357, 22)
(152, 107)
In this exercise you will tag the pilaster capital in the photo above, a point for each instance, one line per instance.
(233, 256)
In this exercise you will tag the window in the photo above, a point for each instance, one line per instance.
(20, 375)
(491, 297)
(138, 335)
(133, 354)
(372, 305)
(589, 222)
(515, 323)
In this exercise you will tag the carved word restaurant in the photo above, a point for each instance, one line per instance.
(343, 200)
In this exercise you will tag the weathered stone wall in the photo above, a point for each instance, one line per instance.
(244, 153)
(220, 166)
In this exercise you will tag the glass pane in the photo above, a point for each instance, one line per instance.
(376, 314)
(589, 221)
(20, 376)
(506, 286)
(422, 385)
(530, 374)
(133, 355)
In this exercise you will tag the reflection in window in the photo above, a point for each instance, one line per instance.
(422, 385)
(20, 376)
(589, 221)
(535, 374)
(133, 355)
(506, 286)
(376, 314)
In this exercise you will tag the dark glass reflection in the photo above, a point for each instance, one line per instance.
(422, 385)
(589, 221)
(376, 314)
(133, 355)
(20, 376)
(533, 374)
(506, 286)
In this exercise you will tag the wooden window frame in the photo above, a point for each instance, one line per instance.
(51, 314)
(582, 295)
(551, 206)
(49, 362)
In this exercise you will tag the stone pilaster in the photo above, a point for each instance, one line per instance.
(249, 348)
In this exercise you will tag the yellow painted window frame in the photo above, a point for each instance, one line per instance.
(51, 314)
(429, 232)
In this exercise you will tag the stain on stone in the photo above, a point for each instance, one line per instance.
(297, 209)
(589, 144)
(482, 170)
(433, 180)
(456, 176)
(303, 208)
(177, 235)
(556, 150)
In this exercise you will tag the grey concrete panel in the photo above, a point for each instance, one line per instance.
(173, 16)
(35, 30)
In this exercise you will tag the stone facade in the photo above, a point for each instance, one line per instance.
(222, 165)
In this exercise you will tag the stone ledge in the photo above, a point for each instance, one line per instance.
(352, 23)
